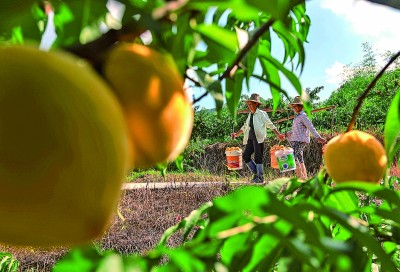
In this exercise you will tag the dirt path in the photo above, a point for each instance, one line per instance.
(172, 185)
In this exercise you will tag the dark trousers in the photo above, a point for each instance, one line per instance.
(253, 147)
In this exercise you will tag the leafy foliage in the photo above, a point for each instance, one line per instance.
(297, 227)
(212, 39)
(278, 229)
(8, 263)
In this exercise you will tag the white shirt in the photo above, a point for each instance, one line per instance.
(261, 122)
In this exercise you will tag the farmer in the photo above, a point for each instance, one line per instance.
(299, 136)
(254, 130)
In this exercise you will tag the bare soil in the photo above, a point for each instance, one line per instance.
(144, 216)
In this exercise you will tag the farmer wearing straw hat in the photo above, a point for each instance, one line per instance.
(299, 136)
(254, 130)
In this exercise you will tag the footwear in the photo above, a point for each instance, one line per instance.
(260, 173)
(253, 168)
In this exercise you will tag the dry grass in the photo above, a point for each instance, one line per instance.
(213, 159)
(147, 213)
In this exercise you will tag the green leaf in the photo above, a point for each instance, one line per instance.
(377, 190)
(79, 260)
(233, 92)
(360, 233)
(188, 223)
(111, 262)
(275, 186)
(390, 247)
(182, 43)
(136, 263)
(192, 220)
(78, 21)
(20, 14)
(238, 200)
(303, 22)
(17, 36)
(272, 77)
(215, 89)
(392, 129)
(269, 261)
(250, 61)
(341, 233)
(344, 201)
(212, 86)
(233, 246)
(335, 245)
(163, 168)
(300, 249)
(219, 35)
(279, 9)
(8, 263)
(266, 249)
(294, 215)
(240, 9)
(293, 46)
(200, 59)
(185, 261)
(222, 223)
(289, 75)
(179, 162)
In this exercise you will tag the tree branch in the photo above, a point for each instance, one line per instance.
(242, 53)
(94, 50)
(365, 93)
(247, 47)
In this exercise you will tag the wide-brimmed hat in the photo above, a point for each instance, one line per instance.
(296, 101)
(254, 98)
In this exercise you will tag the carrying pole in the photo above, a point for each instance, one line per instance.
(315, 110)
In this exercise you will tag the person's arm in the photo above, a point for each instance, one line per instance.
(241, 130)
(271, 126)
(285, 135)
(237, 134)
(312, 129)
(279, 135)
(268, 123)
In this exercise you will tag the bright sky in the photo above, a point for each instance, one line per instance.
(338, 30)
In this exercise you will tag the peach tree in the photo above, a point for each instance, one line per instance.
(217, 46)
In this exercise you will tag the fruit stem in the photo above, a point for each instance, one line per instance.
(94, 50)
(365, 93)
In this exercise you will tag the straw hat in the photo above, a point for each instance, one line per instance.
(296, 101)
(254, 98)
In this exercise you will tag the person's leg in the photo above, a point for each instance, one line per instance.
(258, 155)
(248, 150)
(298, 148)
(303, 170)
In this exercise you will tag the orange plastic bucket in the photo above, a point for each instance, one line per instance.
(274, 161)
(234, 159)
